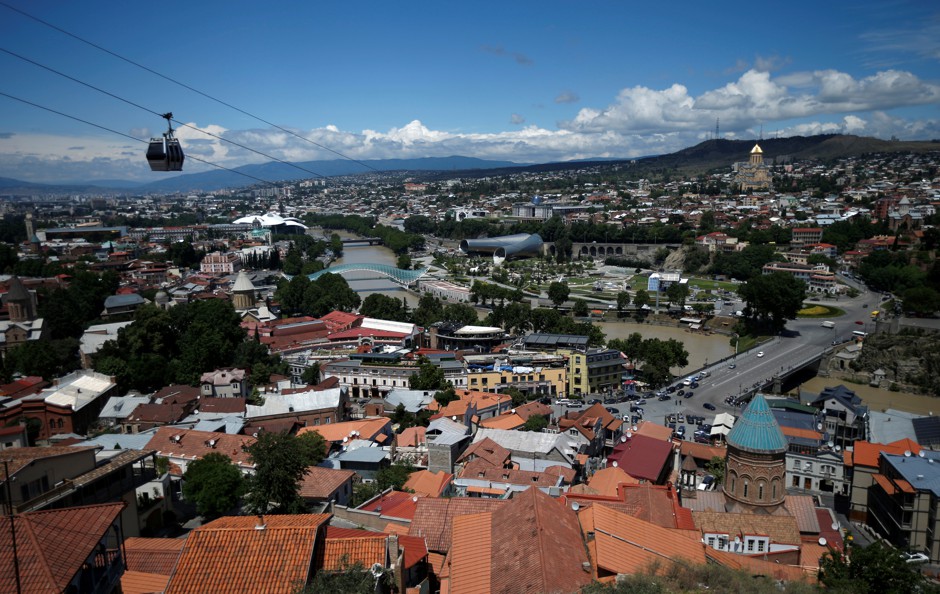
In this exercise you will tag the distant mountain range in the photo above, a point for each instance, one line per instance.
(708, 155)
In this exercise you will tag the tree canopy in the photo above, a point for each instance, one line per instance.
(281, 461)
(214, 484)
(772, 299)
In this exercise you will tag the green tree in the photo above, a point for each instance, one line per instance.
(281, 461)
(874, 569)
(446, 396)
(429, 310)
(558, 292)
(716, 468)
(428, 377)
(460, 313)
(580, 308)
(350, 578)
(772, 299)
(535, 423)
(518, 398)
(923, 301)
(623, 301)
(404, 261)
(394, 476)
(641, 299)
(383, 307)
(311, 375)
(214, 484)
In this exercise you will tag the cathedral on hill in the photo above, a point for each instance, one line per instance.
(753, 175)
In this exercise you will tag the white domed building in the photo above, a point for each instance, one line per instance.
(274, 222)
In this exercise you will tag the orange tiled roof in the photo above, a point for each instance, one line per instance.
(780, 529)
(230, 555)
(626, 544)
(52, 545)
(395, 504)
(338, 553)
(798, 432)
(650, 429)
(866, 453)
(471, 557)
(321, 483)
(20, 457)
(152, 555)
(479, 469)
(412, 437)
(196, 444)
(368, 429)
(433, 518)
(508, 421)
(138, 582)
(489, 450)
(606, 480)
(427, 483)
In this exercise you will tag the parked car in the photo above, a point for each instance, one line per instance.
(594, 401)
(709, 406)
(915, 557)
(760, 353)
(612, 410)
(689, 394)
(680, 393)
(681, 430)
(731, 366)
(641, 401)
(665, 397)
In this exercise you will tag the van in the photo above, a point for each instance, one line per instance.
(828, 324)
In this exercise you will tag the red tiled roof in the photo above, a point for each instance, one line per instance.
(195, 444)
(321, 483)
(427, 483)
(758, 566)
(337, 554)
(222, 405)
(152, 555)
(625, 544)
(487, 449)
(230, 555)
(138, 582)
(433, 518)
(52, 545)
(471, 558)
(480, 469)
(395, 504)
(642, 457)
(866, 453)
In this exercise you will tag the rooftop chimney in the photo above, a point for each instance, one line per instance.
(260, 525)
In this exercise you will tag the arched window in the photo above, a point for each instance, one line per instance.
(773, 490)
(745, 487)
(60, 423)
(760, 491)
(52, 423)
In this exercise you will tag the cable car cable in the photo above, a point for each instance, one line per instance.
(185, 86)
(157, 113)
(105, 128)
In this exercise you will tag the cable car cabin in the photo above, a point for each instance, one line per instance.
(165, 154)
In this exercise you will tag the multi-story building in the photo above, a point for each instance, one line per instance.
(818, 278)
(224, 383)
(548, 381)
(904, 499)
(369, 375)
(219, 263)
(594, 371)
(806, 236)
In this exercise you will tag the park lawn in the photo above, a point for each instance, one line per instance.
(815, 310)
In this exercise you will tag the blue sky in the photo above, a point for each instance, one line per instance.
(518, 81)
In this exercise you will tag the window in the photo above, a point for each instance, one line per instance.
(750, 545)
(760, 546)
(773, 491)
(760, 491)
(722, 542)
(745, 487)
(711, 541)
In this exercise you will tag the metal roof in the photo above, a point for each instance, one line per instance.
(757, 430)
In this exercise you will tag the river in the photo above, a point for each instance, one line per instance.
(364, 283)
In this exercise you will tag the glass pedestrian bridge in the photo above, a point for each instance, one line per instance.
(399, 275)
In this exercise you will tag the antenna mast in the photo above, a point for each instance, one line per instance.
(717, 135)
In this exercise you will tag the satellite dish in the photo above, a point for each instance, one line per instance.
(838, 448)
(415, 499)
(921, 454)
(575, 505)
(345, 439)
(513, 411)
(835, 526)
(830, 443)
(907, 453)
(822, 541)
(623, 438)
(453, 418)
(376, 569)
(819, 426)
(614, 464)
(634, 428)
(737, 540)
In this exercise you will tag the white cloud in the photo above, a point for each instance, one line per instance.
(640, 121)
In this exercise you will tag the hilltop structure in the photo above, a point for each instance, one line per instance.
(753, 175)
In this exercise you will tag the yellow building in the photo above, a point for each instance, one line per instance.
(547, 381)
(754, 175)
(595, 371)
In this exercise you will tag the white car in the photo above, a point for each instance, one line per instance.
(760, 354)
(915, 557)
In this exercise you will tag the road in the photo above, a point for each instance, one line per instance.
(801, 340)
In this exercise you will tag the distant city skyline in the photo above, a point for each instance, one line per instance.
(524, 81)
